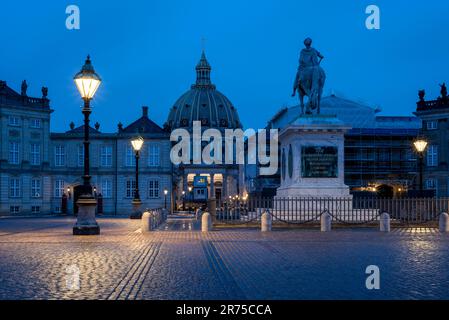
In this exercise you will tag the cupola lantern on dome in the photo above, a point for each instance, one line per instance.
(203, 70)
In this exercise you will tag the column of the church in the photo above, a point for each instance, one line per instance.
(225, 187)
(212, 186)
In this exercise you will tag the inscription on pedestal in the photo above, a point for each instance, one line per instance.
(319, 162)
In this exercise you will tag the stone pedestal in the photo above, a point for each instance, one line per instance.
(86, 223)
(137, 210)
(312, 158)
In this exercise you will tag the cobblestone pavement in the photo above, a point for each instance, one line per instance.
(37, 257)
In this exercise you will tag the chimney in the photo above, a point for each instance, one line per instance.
(145, 111)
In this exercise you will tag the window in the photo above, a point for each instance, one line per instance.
(14, 152)
(431, 184)
(59, 188)
(106, 156)
(35, 123)
(14, 188)
(106, 188)
(432, 156)
(432, 125)
(59, 156)
(153, 189)
(80, 156)
(130, 187)
(35, 209)
(410, 155)
(384, 155)
(57, 209)
(154, 155)
(14, 121)
(14, 209)
(35, 154)
(130, 157)
(35, 188)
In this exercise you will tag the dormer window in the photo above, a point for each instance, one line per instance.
(184, 123)
(223, 123)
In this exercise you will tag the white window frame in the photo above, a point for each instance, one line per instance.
(431, 184)
(35, 123)
(14, 121)
(154, 155)
(35, 209)
(432, 156)
(59, 188)
(106, 188)
(80, 156)
(14, 152)
(60, 156)
(130, 186)
(35, 154)
(14, 209)
(432, 125)
(36, 188)
(130, 157)
(154, 189)
(15, 187)
(106, 156)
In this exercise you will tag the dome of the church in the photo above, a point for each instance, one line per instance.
(204, 103)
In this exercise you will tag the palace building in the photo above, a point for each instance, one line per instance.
(435, 117)
(40, 171)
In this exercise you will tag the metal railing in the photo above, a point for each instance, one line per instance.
(351, 211)
(158, 217)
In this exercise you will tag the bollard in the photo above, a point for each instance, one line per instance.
(206, 222)
(326, 222)
(385, 222)
(146, 222)
(444, 222)
(266, 222)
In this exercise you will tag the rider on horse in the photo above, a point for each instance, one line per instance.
(310, 77)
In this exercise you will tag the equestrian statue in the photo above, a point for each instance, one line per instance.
(310, 78)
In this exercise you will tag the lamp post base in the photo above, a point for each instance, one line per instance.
(86, 225)
(137, 212)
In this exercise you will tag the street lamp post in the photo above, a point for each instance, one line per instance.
(183, 200)
(87, 83)
(137, 144)
(165, 198)
(420, 147)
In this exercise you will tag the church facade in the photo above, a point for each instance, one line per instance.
(204, 104)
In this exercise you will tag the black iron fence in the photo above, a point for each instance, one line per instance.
(355, 211)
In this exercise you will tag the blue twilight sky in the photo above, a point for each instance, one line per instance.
(146, 52)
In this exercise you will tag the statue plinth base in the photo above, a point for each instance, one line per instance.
(86, 225)
(312, 158)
